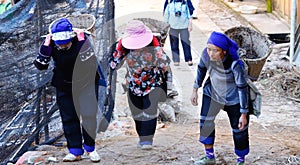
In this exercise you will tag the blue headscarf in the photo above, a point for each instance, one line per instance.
(225, 43)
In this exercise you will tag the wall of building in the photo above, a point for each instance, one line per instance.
(283, 7)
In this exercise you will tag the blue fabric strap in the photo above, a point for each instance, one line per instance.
(242, 153)
(88, 148)
(76, 151)
(207, 140)
(102, 81)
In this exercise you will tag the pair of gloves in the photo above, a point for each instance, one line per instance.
(79, 33)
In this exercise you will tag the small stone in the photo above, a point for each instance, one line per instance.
(52, 159)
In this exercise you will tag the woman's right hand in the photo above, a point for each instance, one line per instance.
(194, 98)
(47, 40)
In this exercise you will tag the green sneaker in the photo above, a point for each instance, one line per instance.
(240, 163)
(205, 160)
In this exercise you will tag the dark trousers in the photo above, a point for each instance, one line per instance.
(209, 111)
(144, 112)
(185, 42)
(71, 107)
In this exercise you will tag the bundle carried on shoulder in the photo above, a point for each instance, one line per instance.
(254, 50)
(85, 22)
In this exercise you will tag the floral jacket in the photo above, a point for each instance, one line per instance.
(145, 66)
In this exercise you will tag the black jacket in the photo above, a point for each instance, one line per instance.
(75, 67)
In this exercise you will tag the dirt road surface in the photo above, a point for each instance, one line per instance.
(274, 136)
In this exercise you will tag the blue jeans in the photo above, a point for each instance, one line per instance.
(71, 106)
(185, 42)
(209, 111)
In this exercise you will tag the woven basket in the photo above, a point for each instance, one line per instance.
(159, 28)
(255, 48)
(82, 21)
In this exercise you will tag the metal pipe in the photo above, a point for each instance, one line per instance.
(293, 27)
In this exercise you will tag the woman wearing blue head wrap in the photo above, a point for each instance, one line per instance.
(225, 88)
(222, 41)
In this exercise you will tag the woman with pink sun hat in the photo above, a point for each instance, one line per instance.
(146, 65)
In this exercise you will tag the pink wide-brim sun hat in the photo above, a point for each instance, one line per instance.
(137, 35)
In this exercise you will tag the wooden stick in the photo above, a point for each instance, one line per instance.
(12, 2)
(294, 99)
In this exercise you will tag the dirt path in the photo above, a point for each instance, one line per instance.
(274, 137)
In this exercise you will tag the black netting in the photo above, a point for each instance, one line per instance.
(18, 47)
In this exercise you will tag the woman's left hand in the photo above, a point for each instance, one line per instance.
(79, 33)
(243, 121)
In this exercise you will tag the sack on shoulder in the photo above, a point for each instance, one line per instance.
(254, 99)
(254, 95)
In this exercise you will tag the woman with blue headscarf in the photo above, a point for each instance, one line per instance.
(225, 88)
